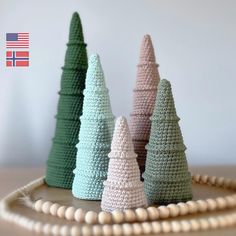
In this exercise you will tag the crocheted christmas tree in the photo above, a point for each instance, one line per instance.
(166, 178)
(144, 99)
(62, 157)
(123, 188)
(97, 124)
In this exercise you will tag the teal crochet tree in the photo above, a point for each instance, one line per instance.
(62, 157)
(166, 178)
(97, 124)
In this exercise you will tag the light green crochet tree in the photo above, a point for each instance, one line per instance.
(166, 178)
(97, 124)
(62, 157)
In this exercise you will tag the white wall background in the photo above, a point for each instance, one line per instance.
(195, 44)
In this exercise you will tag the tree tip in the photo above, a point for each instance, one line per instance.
(76, 31)
(75, 19)
(147, 37)
(147, 51)
(121, 119)
(165, 81)
(75, 15)
(94, 59)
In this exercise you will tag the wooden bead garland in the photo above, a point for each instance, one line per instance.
(151, 213)
(104, 218)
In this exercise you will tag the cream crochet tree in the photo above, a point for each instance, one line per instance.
(144, 99)
(123, 188)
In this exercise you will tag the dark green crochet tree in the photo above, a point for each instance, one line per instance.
(62, 157)
(166, 178)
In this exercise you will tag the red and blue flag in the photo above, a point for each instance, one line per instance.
(17, 40)
(17, 58)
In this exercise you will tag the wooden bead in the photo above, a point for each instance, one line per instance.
(75, 231)
(196, 178)
(213, 222)
(204, 179)
(230, 201)
(219, 181)
(221, 221)
(163, 212)
(234, 196)
(117, 216)
(229, 220)
(97, 230)
(47, 229)
(107, 230)
(117, 230)
(195, 226)
(234, 216)
(141, 214)
(166, 226)
(30, 225)
(221, 203)
(56, 230)
(192, 207)
(70, 212)
(61, 211)
(212, 180)
(46, 207)
(156, 227)
(129, 215)
(86, 230)
(91, 217)
(211, 204)
(153, 213)
(174, 210)
(104, 217)
(183, 208)
(127, 229)
(137, 229)
(203, 224)
(22, 221)
(202, 205)
(185, 225)
(38, 227)
(147, 228)
(175, 226)
(38, 205)
(54, 208)
(79, 215)
(65, 230)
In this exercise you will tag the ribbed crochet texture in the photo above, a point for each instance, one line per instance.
(144, 99)
(97, 124)
(123, 188)
(166, 178)
(62, 157)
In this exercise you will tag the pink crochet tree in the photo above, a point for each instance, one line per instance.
(144, 100)
(123, 188)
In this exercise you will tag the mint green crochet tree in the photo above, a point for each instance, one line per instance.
(166, 178)
(62, 157)
(97, 124)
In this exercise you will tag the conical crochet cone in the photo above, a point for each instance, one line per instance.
(144, 99)
(166, 178)
(62, 157)
(97, 124)
(123, 188)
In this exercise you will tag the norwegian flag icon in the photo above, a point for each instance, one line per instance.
(17, 58)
